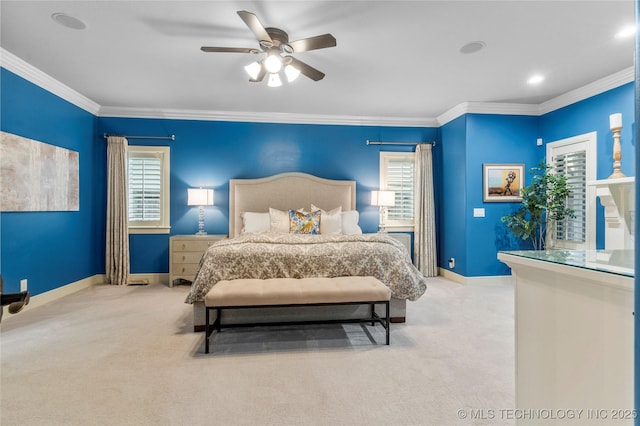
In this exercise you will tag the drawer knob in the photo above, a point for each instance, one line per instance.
(184, 257)
(184, 269)
(184, 245)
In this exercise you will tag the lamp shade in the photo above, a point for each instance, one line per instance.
(383, 198)
(253, 69)
(199, 197)
(274, 80)
(291, 72)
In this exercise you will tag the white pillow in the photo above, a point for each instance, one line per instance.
(331, 221)
(253, 223)
(350, 222)
(279, 221)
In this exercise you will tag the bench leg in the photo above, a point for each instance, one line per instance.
(373, 314)
(388, 321)
(207, 330)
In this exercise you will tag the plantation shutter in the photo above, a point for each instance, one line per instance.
(575, 158)
(397, 174)
(145, 188)
(573, 166)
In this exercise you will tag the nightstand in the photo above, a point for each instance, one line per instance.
(185, 252)
(403, 238)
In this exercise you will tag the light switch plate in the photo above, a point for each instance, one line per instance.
(478, 212)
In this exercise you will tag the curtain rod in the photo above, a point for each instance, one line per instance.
(172, 137)
(397, 143)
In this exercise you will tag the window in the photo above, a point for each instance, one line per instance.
(573, 167)
(397, 171)
(576, 159)
(148, 189)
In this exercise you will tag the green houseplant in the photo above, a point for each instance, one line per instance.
(544, 202)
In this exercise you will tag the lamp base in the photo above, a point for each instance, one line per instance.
(201, 230)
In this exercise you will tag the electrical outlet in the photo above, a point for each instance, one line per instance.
(452, 263)
(23, 285)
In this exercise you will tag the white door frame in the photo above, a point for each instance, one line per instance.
(590, 141)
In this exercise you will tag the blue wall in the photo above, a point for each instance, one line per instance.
(472, 140)
(467, 143)
(51, 249)
(503, 140)
(209, 153)
(451, 199)
(593, 115)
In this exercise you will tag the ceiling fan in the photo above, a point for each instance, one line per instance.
(275, 43)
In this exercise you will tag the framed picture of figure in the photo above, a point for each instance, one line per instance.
(502, 183)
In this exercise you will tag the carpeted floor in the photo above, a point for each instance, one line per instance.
(128, 356)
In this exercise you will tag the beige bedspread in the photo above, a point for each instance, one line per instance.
(300, 256)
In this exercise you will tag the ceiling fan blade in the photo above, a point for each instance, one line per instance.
(307, 70)
(255, 26)
(261, 74)
(313, 43)
(229, 49)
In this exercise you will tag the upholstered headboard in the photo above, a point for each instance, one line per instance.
(286, 191)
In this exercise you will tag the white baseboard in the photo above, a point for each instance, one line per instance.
(452, 276)
(57, 293)
(460, 279)
(148, 278)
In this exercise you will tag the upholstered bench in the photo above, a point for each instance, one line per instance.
(287, 292)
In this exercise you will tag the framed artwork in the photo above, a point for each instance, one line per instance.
(37, 177)
(502, 183)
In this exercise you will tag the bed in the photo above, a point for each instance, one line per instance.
(249, 253)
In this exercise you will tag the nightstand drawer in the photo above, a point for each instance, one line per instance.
(185, 252)
(184, 269)
(187, 257)
(198, 246)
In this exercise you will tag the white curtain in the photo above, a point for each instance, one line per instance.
(117, 253)
(424, 250)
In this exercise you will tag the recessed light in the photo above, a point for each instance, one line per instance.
(68, 21)
(472, 47)
(536, 79)
(626, 32)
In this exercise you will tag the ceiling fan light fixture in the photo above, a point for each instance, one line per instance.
(274, 44)
(253, 69)
(274, 80)
(291, 72)
(273, 63)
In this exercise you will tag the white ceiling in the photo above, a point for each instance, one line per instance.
(394, 59)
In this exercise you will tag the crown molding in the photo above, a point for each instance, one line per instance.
(487, 108)
(12, 63)
(592, 89)
(264, 117)
(23, 69)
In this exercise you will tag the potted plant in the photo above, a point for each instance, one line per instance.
(544, 202)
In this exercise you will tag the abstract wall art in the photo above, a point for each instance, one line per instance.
(35, 176)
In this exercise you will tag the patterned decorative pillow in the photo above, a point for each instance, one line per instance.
(304, 223)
